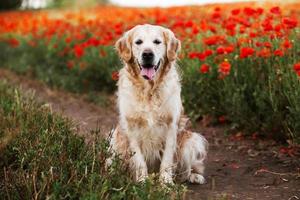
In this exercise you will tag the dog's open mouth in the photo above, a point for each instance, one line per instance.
(149, 71)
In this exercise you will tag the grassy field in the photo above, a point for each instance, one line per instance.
(41, 157)
(240, 63)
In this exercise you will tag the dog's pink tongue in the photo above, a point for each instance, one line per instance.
(148, 72)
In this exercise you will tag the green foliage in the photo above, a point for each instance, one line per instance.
(42, 158)
(259, 95)
(10, 4)
(47, 63)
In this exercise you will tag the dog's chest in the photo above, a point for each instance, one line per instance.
(150, 112)
(149, 115)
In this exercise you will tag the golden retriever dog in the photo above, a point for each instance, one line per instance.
(151, 132)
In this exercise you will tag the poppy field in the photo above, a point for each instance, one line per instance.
(240, 63)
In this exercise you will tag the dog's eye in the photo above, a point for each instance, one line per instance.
(138, 42)
(156, 41)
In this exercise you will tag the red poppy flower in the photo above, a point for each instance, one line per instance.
(201, 56)
(289, 22)
(246, 52)
(264, 53)
(267, 44)
(68, 39)
(259, 11)
(297, 66)
(220, 50)
(195, 30)
(278, 52)
(215, 39)
(216, 15)
(13, 42)
(208, 52)
(189, 24)
(249, 11)
(275, 10)
(258, 44)
(252, 34)
(193, 55)
(224, 68)
(204, 68)
(287, 44)
(115, 75)
(78, 51)
(229, 49)
(235, 11)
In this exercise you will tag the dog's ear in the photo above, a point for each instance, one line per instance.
(173, 45)
(123, 47)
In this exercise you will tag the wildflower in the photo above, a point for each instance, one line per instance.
(252, 34)
(13, 42)
(204, 68)
(267, 44)
(189, 24)
(275, 10)
(212, 40)
(216, 15)
(249, 11)
(78, 51)
(195, 30)
(278, 52)
(258, 44)
(224, 68)
(193, 55)
(235, 11)
(259, 11)
(264, 53)
(229, 49)
(287, 44)
(297, 67)
(220, 50)
(201, 56)
(68, 40)
(289, 22)
(115, 75)
(208, 52)
(246, 52)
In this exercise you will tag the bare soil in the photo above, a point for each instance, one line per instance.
(237, 167)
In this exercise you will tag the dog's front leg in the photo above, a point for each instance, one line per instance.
(138, 161)
(167, 163)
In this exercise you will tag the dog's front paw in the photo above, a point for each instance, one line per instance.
(197, 178)
(166, 177)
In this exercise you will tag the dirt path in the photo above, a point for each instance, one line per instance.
(237, 168)
(86, 115)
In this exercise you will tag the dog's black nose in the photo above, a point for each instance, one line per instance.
(148, 57)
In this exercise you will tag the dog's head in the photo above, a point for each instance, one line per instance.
(147, 49)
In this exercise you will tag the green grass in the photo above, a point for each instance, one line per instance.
(41, 157)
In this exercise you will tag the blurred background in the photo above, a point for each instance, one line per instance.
(38, 4)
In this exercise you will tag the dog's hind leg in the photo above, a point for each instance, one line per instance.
(192, 151)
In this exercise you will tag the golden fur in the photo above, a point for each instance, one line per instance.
(151, 125)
